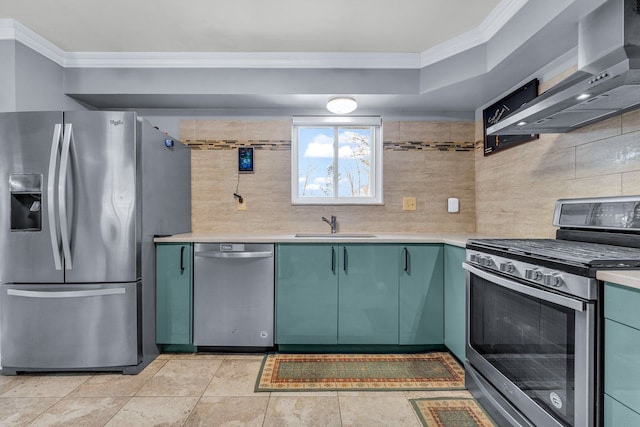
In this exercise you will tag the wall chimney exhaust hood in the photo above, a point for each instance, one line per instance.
(607, 81)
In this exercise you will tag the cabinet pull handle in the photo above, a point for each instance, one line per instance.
(333, 260)
(182, 260)
(344, 259)
(406, 260)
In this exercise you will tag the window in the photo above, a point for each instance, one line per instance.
(336, 160)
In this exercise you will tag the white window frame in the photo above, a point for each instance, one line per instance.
(375, 178)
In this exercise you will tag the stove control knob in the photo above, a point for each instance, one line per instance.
(553, 279)
(507, 267)
(473, 257)
(533, 274)
(485, 261)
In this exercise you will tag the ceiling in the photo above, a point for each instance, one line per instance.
(462, 54)
(247, 25)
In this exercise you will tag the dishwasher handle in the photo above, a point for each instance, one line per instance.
(218, 254)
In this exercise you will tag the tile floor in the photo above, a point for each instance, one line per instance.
(193, 390)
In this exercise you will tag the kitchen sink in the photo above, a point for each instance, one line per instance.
(335, 235)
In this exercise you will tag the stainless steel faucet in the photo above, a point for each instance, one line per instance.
(333, 223)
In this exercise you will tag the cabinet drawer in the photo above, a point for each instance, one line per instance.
(621, 304)
(616, 414)
(622, 363)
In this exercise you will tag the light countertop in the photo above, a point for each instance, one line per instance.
(448, 238)
(630, 278)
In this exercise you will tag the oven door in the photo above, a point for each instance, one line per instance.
(535, 347)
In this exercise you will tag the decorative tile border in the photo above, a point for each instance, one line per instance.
(428, 146)
(283, 145)
(228, 144)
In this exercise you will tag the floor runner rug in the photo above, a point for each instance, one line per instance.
(361, 372)
(451, 412)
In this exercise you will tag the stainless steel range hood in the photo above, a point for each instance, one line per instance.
(607, 81)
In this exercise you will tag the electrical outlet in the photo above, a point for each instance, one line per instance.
(408, 203)
(242, 206)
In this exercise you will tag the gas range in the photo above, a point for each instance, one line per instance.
(534, 314)
(594, 234)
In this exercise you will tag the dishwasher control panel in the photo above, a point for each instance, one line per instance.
(231, 247)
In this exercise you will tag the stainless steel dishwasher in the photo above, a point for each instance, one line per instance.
(233, 294)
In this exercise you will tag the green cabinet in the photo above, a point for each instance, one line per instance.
(621, 355)
(455, 309)
(359, 294)
(368, 294)
(306, 294)
(618, 415)
(174, 293)
(421, 294)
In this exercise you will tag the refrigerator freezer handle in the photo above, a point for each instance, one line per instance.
(62, 194)
(51, 190)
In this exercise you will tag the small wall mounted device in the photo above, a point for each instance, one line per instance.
(245, 160)
(453, 205)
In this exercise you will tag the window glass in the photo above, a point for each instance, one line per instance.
(336, 163)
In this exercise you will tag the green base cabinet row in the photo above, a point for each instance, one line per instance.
(174, 293)
(455, 307)
(328, 294)
(359, 294)
(621, 356)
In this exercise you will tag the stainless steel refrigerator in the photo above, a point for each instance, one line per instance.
(82, 195)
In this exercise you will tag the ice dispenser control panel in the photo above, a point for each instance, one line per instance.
(26, 202)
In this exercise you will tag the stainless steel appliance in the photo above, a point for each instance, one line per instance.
(233, 295)
(606, 83)
(84, 194)
(534, 313)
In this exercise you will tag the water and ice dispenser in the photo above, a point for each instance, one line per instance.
(26, 202)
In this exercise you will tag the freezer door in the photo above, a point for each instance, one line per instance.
(68, 326)
(99, 219)
(28, 253)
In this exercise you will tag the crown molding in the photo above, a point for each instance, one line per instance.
(498, 17)
(11, 29)
(240, 60)
(7, 31)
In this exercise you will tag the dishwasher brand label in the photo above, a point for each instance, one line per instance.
(231, 247)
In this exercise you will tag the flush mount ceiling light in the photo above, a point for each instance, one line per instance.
(342, 105)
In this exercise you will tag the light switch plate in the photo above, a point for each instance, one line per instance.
(408, 203)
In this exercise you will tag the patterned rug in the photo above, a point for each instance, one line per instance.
(322, 372)
(451, 412)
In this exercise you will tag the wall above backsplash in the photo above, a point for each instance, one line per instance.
(431, 161)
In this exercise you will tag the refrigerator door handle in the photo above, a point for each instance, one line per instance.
(66, 294)
(62, 194)
(51, 191)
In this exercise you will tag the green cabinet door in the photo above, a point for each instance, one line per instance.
(618, 415)
(455, 310)
(421, 297)
(622, 363)
(368, 294)
(306, 294)
(622, 345)
(174, 293)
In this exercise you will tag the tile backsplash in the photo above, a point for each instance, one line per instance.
(516, 189)
(427, 160)
(511, 193)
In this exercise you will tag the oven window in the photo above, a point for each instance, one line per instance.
(529, 341)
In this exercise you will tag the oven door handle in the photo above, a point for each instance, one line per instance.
(573, 304)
